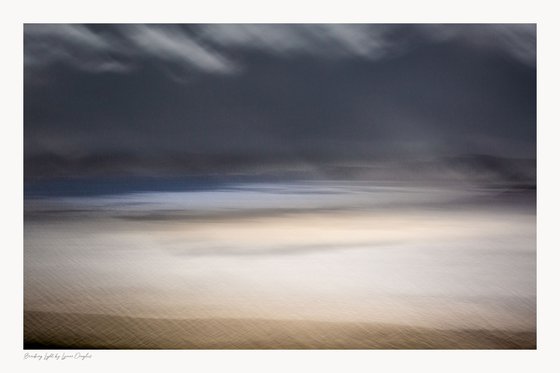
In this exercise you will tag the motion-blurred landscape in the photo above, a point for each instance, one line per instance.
(280, 187)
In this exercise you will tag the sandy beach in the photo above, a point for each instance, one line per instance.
(309, 265)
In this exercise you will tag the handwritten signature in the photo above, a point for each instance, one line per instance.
(57, 356)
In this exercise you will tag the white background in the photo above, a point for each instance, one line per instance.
(15, 13)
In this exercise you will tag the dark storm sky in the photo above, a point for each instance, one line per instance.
(326, 93)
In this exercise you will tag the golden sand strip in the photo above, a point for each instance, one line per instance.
(82, 331)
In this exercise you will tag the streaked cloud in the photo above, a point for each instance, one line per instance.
(334, 40)
(516, 41)
(208, 48)
(274, 99)
(173, 45)
(74, 45)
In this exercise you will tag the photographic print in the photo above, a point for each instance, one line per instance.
(279, 186)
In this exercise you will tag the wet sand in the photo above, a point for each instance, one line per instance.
(45, 330)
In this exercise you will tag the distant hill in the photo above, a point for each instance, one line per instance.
(472, 168)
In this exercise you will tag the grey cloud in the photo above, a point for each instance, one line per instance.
(517, 41)
(75, 45)
(198, 47)
(290, 100)
(206, 48)
(336, 40)
(77, 35)
(170, 43)
(117, 49)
